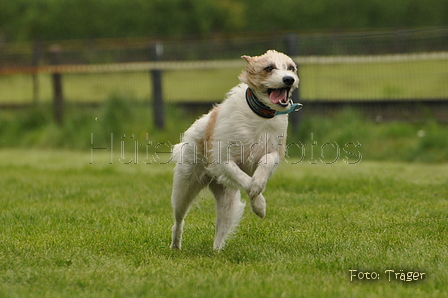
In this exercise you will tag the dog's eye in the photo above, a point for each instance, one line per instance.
(292, 68)
(269, 68)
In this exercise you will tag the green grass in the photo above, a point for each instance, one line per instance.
(420, 79)
(74, 229)
(405, 80)
(192, 85)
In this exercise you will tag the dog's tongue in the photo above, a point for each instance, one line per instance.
(277, 95)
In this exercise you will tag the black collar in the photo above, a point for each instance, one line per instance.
(257, 106)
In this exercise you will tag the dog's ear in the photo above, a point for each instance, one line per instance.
(247, 58)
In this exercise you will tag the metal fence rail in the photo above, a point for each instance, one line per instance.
(95, 51)
(393, 66)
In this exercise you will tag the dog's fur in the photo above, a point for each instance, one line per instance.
(231, 147)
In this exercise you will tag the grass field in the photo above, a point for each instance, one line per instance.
(74, 229)
(404, 80)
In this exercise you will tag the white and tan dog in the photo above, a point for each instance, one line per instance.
(238, 144)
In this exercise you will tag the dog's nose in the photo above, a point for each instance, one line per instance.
(288, 80)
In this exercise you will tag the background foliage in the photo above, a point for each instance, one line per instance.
(130, 121)
(23, 20)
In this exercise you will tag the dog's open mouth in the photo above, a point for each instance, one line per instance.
(279, 96)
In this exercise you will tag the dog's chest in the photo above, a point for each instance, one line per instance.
(247, 142)
(263, 139)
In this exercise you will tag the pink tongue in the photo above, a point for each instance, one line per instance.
(277, 95)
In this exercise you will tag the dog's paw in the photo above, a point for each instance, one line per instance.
(177, 245)
(256, 188)
(258, 205)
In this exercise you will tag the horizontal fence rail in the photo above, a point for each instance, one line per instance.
(218, 64)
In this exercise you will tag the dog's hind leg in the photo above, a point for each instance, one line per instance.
(258, 205)
(229, 210)
(185, 189)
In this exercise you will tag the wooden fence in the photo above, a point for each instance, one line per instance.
(155, 66)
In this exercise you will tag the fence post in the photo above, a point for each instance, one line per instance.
(291, 44)
(58, 97)
(156, 52)
(37, 53)
(399, 41)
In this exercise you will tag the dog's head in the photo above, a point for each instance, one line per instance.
(272, 77)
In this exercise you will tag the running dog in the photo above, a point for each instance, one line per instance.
(237, 145)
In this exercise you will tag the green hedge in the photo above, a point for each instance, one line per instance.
(24, 20)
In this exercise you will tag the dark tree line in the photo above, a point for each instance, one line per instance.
(24, 20)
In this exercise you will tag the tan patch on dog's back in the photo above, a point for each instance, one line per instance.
(206, 146)
(210, 128)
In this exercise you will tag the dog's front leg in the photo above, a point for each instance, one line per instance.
(230, 175)
(266, 167)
